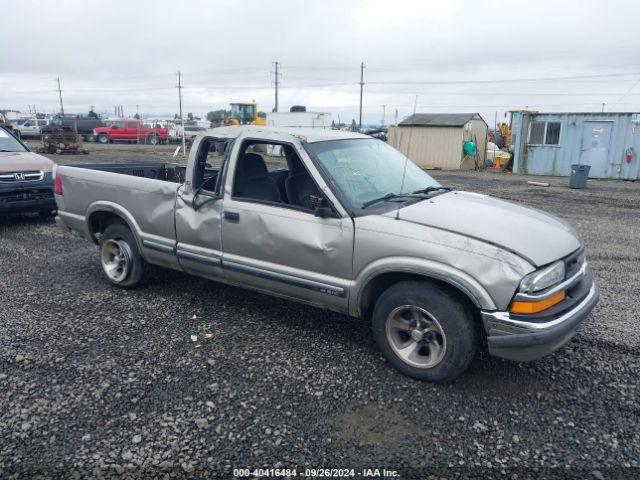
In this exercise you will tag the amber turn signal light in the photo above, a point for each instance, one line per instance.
(535, 307)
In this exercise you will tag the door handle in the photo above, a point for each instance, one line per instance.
(233, 217)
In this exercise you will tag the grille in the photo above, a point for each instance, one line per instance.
(22, 195)
(28, 176)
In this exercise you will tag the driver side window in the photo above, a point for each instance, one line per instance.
(274, 173)
(208, 163)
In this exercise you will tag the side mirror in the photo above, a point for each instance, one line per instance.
(114, 127)
(321, 207)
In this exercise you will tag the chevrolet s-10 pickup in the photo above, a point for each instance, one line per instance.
(344, 222)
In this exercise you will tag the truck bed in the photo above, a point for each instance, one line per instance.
(144, 193)
(169, 172)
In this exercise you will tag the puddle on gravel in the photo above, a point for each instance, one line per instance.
(375, 427)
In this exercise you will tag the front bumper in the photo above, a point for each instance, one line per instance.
(514, 338)
(27, 197)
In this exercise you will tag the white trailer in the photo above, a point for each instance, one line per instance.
(300, 119)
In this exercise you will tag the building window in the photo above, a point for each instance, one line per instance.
(552, 137)
(544, 133)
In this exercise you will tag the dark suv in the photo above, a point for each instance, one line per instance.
(26, 178)
(82, 125)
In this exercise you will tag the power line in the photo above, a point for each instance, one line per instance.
(624, 95)
(501, 80)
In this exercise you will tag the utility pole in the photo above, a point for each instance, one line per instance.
(384, 111)
(60, 96)
(602, 107)
(361, 85)
(184, 147)
(396, 117)
(277, 84)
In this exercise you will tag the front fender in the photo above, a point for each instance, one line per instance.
(426, 268)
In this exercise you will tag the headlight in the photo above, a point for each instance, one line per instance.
(541, 279)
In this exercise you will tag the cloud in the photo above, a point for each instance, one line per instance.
(127, 53)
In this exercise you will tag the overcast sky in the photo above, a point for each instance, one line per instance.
(455, 55)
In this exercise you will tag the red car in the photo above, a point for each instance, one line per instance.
(130, 131)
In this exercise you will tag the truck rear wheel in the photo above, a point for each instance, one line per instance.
(120, 257)
(424, 331)
(152, 140)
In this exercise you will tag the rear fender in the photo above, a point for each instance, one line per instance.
(117, 210)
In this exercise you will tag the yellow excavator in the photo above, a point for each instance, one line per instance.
(244, 114)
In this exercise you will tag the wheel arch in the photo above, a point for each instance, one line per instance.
(377, 278)
(101, 214)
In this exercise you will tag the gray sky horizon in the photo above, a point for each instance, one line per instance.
(455, 56)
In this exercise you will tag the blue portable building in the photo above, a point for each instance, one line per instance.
(549, 143)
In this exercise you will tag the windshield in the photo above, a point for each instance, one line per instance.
(366, 169)
(8, 143)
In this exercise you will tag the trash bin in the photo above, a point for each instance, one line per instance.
(579, 176)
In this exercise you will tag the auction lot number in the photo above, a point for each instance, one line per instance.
(313, 473)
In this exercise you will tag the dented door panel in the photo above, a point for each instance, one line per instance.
(288, 251)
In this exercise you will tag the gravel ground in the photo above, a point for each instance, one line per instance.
(101, 382)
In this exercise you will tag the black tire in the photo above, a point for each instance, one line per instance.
(90, 138)
(454, 321)
(46, 213)
(119, 233)
(152, 140)
(104, 139)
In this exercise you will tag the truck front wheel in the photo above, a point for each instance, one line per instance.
(424, 331)
(103, 139)
(120, 257)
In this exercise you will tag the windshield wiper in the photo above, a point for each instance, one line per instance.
(8, 151)
(392, 196)
(395, 196)
(433, 189)
(385, 198)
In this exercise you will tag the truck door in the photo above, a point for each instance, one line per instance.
(132, 130)
(271, 238)
(198, 211)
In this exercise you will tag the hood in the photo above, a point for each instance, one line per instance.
(538, 237)
(22, 161)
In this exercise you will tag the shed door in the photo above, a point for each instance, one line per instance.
(596, 139)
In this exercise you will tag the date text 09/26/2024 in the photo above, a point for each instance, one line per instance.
(314, 473)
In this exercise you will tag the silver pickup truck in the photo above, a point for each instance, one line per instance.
(344, 222)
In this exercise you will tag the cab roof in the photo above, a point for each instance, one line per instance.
(309, 135)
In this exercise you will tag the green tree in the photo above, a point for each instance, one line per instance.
(92, 114)
(189, 116)
(136, 116)
(218, 115)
